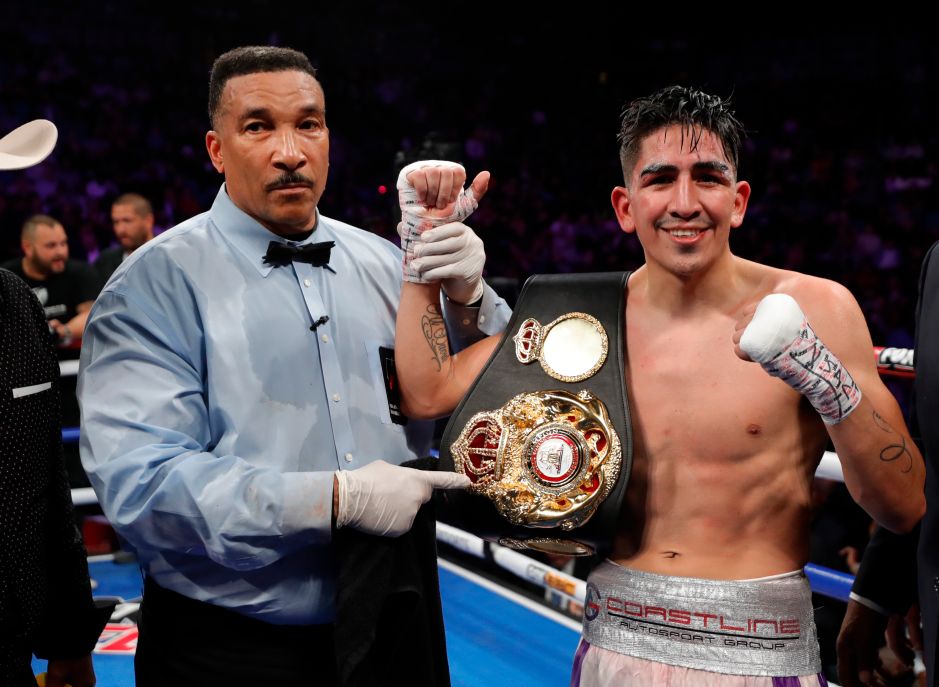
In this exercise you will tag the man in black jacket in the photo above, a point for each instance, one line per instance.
(46, 607)
(886, 584)
(132, 219)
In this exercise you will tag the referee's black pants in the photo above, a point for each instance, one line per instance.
(183, 643)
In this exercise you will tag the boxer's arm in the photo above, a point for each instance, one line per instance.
(829, 361)
(432, 380)
(883, 468)
(438, 249)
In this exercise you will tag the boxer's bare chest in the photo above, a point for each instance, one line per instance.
(688, 389)
(718, 443)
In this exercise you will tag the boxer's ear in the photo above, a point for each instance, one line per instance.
(623, 209)
(741, 198)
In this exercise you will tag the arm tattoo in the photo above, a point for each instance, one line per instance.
(435, 333)
(893, 452)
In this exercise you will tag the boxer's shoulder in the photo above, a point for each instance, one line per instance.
(811, 292)
(830, 307)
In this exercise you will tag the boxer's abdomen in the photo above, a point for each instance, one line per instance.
(723, 459)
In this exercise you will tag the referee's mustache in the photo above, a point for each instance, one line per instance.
(289, 179)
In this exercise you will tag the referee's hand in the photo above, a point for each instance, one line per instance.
(383, 499)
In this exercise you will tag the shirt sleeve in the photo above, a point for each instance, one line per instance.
(886, 580)
(467, 324)
(147, 445)
(73, 622)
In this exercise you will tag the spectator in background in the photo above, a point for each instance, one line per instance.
(65, 288)
(132, 218)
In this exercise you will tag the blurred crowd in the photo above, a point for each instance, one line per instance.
(840, 154)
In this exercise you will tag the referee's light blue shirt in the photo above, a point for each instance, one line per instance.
(213, 418)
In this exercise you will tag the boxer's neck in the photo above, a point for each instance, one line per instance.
(718, 288)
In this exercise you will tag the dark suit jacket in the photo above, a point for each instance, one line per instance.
(107, 262)
(45, 595)
(888, 571)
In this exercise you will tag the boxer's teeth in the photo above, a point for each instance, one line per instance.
(684, 234)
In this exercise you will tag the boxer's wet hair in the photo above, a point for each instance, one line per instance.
(251, 59)
(692, 110)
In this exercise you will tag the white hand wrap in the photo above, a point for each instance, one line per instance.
(416, 219)
(780, 339)
(383, 499)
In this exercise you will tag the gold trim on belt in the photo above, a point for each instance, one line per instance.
(545, 458)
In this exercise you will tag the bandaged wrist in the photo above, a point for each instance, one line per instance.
(416, 218)
(780, 338)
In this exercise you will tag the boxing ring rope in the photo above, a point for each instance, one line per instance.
(895, 362)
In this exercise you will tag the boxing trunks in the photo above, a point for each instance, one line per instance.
(656, 629)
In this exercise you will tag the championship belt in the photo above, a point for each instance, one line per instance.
(544, 433)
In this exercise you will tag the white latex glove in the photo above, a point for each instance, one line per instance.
(383, 499)
(453, 255)
(431, 195)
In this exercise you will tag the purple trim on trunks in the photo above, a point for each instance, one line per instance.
(578, 662)
(795, 682)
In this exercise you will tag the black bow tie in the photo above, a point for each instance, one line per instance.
(317, 254)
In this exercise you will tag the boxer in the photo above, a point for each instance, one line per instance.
(737, 375)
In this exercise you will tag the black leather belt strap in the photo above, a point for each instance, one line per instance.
(546, 297)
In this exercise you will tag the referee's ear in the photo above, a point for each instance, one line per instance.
(213, 144)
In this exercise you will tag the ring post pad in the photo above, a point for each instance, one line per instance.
(544, 433)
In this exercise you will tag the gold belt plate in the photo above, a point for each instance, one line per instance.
(545, 459)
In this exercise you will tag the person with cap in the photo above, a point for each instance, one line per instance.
(46, 607)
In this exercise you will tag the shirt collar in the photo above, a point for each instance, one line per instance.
(249, 237)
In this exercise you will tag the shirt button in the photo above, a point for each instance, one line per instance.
(466, 321)
(348, 457)
(482, 318)
(336, 397)
(325, 338)
(306, 282)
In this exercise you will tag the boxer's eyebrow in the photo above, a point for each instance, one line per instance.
(705, 165)
(712, 166)
(657, 168)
